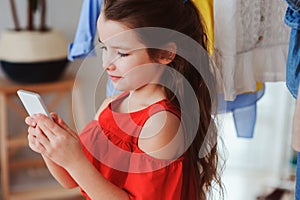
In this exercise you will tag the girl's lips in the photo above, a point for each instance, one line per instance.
(114, 78)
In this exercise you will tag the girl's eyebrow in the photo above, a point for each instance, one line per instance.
(116, 47)
(100, 41)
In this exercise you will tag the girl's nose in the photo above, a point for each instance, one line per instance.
(109, 66)
(109, 61)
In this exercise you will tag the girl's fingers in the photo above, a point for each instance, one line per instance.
(52, 129)
(58, 120)
(49, 127)
(31, 137)
(54, 116)
(33, 142)
(30, 130)
(45, 130)
(62, 124)
(30, 121)
(41, 140)
(40, 136)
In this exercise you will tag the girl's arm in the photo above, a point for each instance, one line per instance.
(59, 173)
(93, 183)
(162, 136)
(63, 147)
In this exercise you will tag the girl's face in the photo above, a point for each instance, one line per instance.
(125, 58)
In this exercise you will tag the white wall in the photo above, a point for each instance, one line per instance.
(258, 164)
(61, 14)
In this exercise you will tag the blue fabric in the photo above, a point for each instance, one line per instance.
(293, 63)
(294, 5)
(292, 19)
(110, 90)
(84, 39)
(243, 109)
(297, 189)
(86, 30)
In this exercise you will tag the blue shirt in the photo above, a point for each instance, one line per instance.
(86, 30)
(292, 19)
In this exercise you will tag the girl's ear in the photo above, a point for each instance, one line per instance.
(167, 54)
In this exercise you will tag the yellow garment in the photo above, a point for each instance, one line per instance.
(206, 10)
(259, 86)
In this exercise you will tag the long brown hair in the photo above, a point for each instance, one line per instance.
(181, 16)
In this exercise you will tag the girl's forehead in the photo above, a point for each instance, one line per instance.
(114, 33)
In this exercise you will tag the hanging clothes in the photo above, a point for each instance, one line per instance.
(206, 10)
(297, 187)
(296, 127)
(292, 19)
(251, 43)
(243, 107)
(243, 110)
(84, 39)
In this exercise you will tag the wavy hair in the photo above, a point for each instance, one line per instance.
(181, 16)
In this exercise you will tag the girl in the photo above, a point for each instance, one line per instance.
(149, 142)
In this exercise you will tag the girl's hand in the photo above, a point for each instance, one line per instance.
(33, 133)
(30, 122)
(57, 141)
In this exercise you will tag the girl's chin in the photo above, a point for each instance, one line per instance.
(119, 87)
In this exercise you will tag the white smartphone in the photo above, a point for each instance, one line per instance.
(33, 103)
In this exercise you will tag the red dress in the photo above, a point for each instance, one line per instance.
(111, 144)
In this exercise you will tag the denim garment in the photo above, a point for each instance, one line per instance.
(86, 30)
(294, 5)
(243, 109)
(292, 19)
(297, 188)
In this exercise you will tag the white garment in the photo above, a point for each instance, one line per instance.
(296, 125)
(251, 43)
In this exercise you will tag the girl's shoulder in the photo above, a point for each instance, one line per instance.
(162, 136)
(104, 104)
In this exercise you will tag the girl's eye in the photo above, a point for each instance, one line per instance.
(103, 47)
(123, 54)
